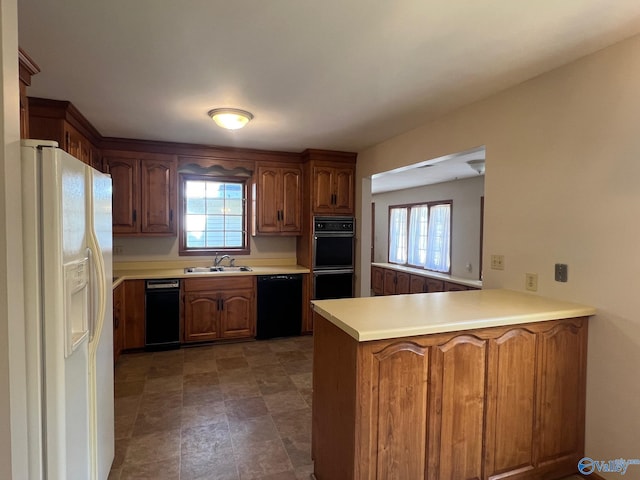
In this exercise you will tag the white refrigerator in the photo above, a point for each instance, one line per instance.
(68, 306)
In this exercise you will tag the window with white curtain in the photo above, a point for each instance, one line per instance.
(420, 235)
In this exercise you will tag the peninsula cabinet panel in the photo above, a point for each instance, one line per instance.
(510, 404)
(561, 392)
(457, 409)
(494, 403)
(399, 411)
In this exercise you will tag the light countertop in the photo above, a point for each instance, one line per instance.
(397, 316)
(144, 272)
(427, 273)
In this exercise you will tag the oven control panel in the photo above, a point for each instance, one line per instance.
(330, 225)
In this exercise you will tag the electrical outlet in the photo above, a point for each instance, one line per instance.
(497, 262)
(118, 249)
(561, 272)
(531, 282)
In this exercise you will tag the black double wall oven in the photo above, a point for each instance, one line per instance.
(333, 254)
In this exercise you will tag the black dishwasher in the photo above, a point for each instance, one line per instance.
(279, 306)
(162, 318)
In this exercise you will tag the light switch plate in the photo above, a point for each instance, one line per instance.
(497, 262)
(561, 272)
(531, 282)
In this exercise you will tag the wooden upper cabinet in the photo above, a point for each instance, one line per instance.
(144, 193)
(333, 189)
(61, 121)
(279, 200)
(26, 69)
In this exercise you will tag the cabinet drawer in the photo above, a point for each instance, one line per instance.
(218, 283)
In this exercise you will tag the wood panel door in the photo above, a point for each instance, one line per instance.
(158, 196)
(377, 280)
(125, 174)
(343, 189)
(417, 284)
(511, 396)
(291, 203)
(561, 394)
(454, 287)
(322, 190)
(457, 409)
(134, 314)
(390, 282)
(268, 204)
(237, 314)
(403, 280)
(398, 421)
(434, 285)
(201, 316)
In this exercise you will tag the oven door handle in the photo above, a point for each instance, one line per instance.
(332, 272)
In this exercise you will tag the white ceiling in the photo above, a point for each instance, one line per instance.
(437, 170)
(331, 74)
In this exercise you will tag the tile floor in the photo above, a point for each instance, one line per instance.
(221, 412)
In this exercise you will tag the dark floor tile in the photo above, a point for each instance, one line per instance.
(239, 390)
(302, 380)
(123, 427)
(153, 447)
(126, 406)
(199, 353)
(207, 466)
(114, 474)
(263, 359)
(202, 366)
(284, 401)
(274, 384)
(204, 414)
(293, 423)
(256, 348)
(299, 450)
(120, 453)
(201, 395)
(231, 363)
(162, 470)
(212, 439)
(252, 430)
(291, 356)
(168, 370)
(258, 460)
(229, 350)
(268, 370)
(243, 408)
(201, 379)
(171, 383)
(128, 389)
(160, 401)
(149, 421)
(236, 375)
(294, 368)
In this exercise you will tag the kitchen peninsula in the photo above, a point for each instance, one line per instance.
(475, 384)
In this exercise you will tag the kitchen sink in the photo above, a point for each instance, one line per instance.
(217, 269)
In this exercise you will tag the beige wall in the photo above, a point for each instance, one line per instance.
(13, 446)
(465, 220)
(562, 185)
(166, 249)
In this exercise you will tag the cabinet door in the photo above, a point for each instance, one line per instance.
(454, 287)
(389, 282)
(158, 196)
(268, 202)
(457, 409)
(377, 280)
(73, 143)
(434, 285)
(343, 191)
(125, 176)
(398, 419)
(561, 394)
(511, 404)
(134, 329)
(118, 321)
(237, 319)
(418, 284)
(402, 283)
(322, 190)
(201, 316)
(291, 210)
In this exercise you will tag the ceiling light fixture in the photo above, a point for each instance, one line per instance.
(230, 118)
(477, 165)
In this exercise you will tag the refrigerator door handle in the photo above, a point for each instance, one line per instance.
(92, 293)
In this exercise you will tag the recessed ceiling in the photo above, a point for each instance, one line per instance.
(340, 75)
(437, 170)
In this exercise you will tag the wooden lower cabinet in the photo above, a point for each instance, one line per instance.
(377, 280)
(134, 314)
(118, 321)
(388, 281)
(219, 308)
(495, 403)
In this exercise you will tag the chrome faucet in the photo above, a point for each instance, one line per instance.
(217, 261)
